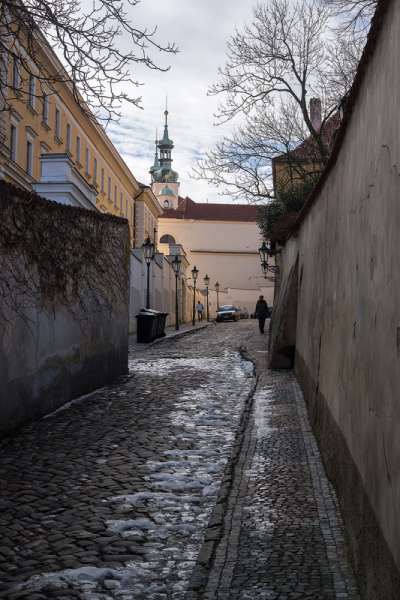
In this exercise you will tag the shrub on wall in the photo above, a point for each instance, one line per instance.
(274, 217)
(54, 256)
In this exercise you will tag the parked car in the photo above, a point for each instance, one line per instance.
(228, 312)
(245, 312)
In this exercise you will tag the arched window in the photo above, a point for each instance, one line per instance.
(167, 239)
(166, 204)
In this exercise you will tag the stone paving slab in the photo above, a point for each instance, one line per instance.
(283, 536)
(110, 497)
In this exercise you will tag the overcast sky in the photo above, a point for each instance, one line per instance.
(200, 30)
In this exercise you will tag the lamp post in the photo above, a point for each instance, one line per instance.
(176, 264)
(217, 290)
(195, 272)
(148, 250)
(207, 283)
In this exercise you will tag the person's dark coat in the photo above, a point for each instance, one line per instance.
(261, 309)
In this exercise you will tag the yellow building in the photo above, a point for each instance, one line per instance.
(49, 145)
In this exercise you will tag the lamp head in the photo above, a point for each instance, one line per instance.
(195, 272)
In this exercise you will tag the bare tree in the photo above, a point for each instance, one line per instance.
(287, 55)
(354, 15)
(93, 63)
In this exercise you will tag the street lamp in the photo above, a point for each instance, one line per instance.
(265, 267)
(195, 272)
(217, 290)
(148, 250)
(264, 253)
(176, 265)
(207, 283)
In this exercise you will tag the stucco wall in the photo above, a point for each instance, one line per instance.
(226, 251)
(347, 337)
(52, 352)
(162, 289)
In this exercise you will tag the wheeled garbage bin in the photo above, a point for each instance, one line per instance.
(150, 325)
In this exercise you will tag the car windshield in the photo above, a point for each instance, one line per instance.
(225, 308)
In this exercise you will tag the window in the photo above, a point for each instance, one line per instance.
(167, 239)
(126, 209)
(95, 171)
(31, 91)
(58, 123)
(29, 156)
(45, 108)
(78, 149)
(122, 201)
(68, 137)
(87, 160)
(132, 216)
(115, 196)
(13, 142)
(166, 204)
(15, 81)
(109, 187)
(103, 177)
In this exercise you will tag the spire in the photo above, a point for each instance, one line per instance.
(156, 165)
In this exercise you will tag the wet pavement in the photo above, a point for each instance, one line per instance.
(111, 497)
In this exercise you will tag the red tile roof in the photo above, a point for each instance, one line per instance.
(188, 209)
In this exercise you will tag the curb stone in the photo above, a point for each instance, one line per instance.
(199, 578)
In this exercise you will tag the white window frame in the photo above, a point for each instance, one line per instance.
(16, 73)
(78, 149)
(29, 158)
(166, 203)
(87, 160)
(14, 140)
(95, 167)
(69, 136)
(31, 90)
(45, 108)
(57, 121)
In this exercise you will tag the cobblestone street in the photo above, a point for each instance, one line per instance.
(127, 494)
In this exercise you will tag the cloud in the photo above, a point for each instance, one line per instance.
(201, 31)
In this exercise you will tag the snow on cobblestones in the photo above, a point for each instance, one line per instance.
(182, 484)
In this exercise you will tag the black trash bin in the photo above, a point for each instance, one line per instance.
(150, 325)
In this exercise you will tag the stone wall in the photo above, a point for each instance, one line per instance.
(347, 338)
(58, 343)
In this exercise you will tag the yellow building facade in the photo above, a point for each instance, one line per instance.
(48, 144)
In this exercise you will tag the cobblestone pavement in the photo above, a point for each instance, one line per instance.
(110, 497)
(283, 536)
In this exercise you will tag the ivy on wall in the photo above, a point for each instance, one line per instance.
(56, 257)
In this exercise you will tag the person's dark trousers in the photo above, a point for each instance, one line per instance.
(200, 315)
(261, 323)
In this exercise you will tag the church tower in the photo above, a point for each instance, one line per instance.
(164, 180)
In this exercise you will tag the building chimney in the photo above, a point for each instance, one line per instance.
(315, 112)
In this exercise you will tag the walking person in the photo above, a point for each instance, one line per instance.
(261, 312)
(199, 309)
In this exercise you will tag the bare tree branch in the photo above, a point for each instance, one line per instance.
(94, 64)
(287, 55)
